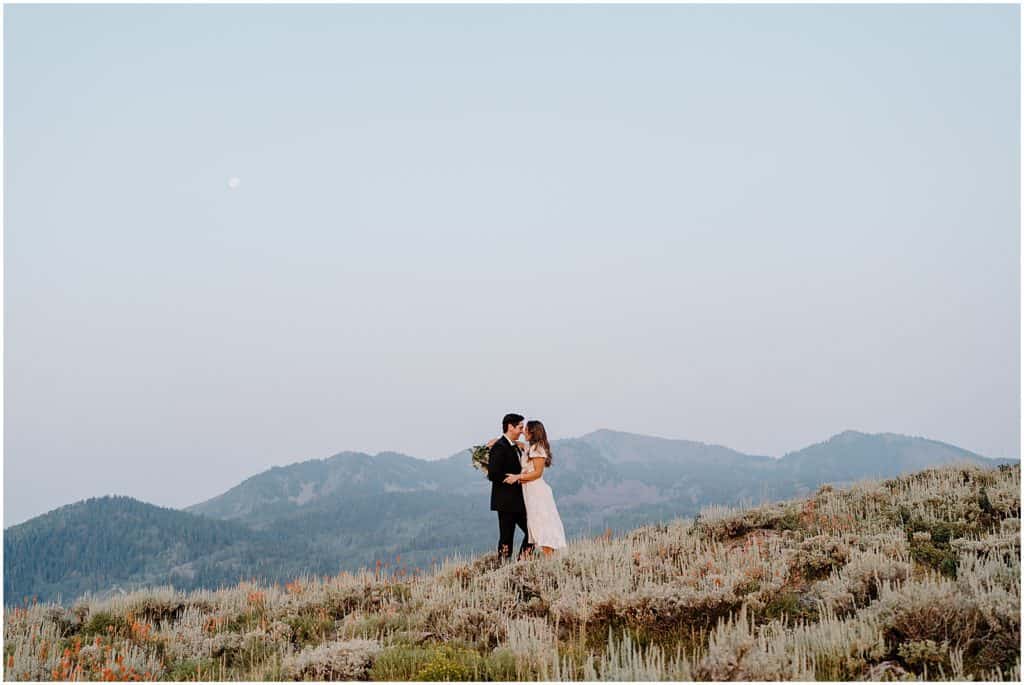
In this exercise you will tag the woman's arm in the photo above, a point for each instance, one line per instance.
(538, 470)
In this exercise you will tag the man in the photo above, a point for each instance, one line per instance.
(507, 498)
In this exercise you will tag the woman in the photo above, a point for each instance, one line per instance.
(542, 519)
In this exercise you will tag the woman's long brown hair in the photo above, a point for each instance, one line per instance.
(538, 436)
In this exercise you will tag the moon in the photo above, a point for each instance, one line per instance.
(234, 182)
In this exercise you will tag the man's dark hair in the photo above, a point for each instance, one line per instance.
(510, 420)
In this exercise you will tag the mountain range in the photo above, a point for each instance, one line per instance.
(352, 510)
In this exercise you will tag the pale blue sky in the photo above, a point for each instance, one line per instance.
(755, 226)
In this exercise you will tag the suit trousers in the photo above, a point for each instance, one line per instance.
(507, 522)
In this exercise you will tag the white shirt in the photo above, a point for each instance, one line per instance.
(509, 441)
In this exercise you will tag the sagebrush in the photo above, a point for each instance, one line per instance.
(916, 577)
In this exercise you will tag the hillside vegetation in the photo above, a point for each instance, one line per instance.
(916, 577)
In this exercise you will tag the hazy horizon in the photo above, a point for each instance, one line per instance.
(243, 476)
(245, 236)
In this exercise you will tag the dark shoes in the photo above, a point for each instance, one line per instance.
(505, 553)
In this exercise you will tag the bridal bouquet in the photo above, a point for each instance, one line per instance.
(480, 454)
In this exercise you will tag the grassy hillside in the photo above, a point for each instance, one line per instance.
(913, 577)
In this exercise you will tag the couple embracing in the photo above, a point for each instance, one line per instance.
(518, 491)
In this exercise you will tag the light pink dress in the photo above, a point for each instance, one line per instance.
(542, 519)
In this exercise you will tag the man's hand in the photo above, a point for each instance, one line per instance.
(512, 478)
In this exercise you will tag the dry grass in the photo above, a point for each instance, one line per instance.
(910, 578)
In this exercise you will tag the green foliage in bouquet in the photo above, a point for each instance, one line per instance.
(480, 454)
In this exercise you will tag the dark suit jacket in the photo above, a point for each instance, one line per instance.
(502, 460)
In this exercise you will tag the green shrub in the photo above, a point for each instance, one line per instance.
(101, 623)
(447, 670)
(400, 662)
(923, 656)
(444, 662)
(940, 558)
(502, 665)
(789, 604)
(817, 556)
(307, 629)
(193, 669)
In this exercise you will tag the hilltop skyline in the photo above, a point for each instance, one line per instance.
(654, 442)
